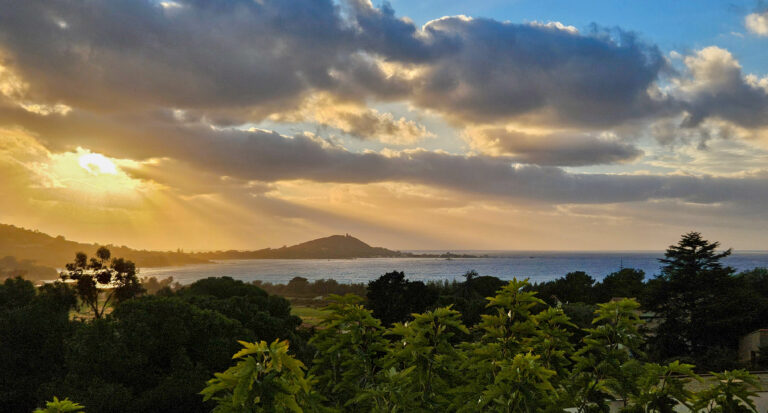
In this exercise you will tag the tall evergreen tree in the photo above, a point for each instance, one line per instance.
(698, 302)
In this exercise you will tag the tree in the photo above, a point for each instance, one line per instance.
(513, 367)
(152, 354)
(575, 287)
(692, 256)
(625, 283)
(115, 279)
(470, 297)
(393, 298)
(607, 365)
(349, 343)
(699, 302)
(267, 316)
(428, 343)
(34, 324)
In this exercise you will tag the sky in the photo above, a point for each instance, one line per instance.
(509, 125)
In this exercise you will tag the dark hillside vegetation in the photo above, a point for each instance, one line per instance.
(40, 254)
(150, 354)
(480, 344)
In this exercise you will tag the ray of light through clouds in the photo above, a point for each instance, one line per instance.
(246, 124)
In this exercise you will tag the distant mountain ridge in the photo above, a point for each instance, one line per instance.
(332, 247)
(47, 253)
(37, 255)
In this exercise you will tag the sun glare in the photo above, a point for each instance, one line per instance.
(97, 164)
(88, 174)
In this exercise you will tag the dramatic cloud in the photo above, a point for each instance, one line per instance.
(124, 54)
(268, 157)
(504, 70)
(552, 148)
(205, 106)
(359, 121)
(717, 88)
(247, 59)
(757, 23)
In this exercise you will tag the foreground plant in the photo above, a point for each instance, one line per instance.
(732, 393)
(265, 379)
(519, 358)
(60, 406)
(349, 343)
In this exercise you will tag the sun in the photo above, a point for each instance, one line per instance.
(88, 174)
(97, 164)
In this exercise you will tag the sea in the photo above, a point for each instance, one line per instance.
(536, 266)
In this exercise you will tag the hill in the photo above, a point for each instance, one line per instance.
(38, 254)
(333, 247)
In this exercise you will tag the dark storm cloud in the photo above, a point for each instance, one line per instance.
(560, 149)
(267, 157)
(124, 65)
(503, 70)
(254, 58)
(196, 54)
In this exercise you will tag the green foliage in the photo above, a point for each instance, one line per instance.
(428, 344)
(691, 256)
(60, 406)
(732, 393)
(508, 331)
(348, 345)
(606, 365)
(265, 379)
(576, 286)
(521, 385)
(154, 353)
(301, 288)
(390, 393)
(661, 388)
(520, 358)
(516, 363)
(16, 292)
(267, 316)
(627, 283)
(469, 297)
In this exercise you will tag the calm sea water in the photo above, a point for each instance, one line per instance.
(538, 266)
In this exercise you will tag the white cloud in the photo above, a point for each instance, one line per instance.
(555, 25)
(757, 23)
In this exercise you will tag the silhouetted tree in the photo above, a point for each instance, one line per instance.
(152, 354)
(33, 328)
(393, 298)
(469, 297)
(267, 316)
(575, 287)
(702, 308)
(114, 278)
(626, 283)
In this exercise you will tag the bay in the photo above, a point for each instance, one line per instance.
(537, 266)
